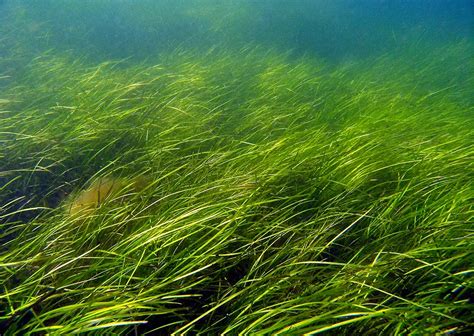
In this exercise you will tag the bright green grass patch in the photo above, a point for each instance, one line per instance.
(284, 196)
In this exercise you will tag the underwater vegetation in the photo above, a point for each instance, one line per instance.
(102, 190)
(282, 195)
(248, 191)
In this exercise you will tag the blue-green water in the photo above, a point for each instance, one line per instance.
(334, 29)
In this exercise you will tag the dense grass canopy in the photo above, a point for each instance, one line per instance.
(276, 195)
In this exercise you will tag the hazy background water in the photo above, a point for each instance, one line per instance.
(336, 30)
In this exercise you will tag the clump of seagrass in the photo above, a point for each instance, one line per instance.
(104, 190)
